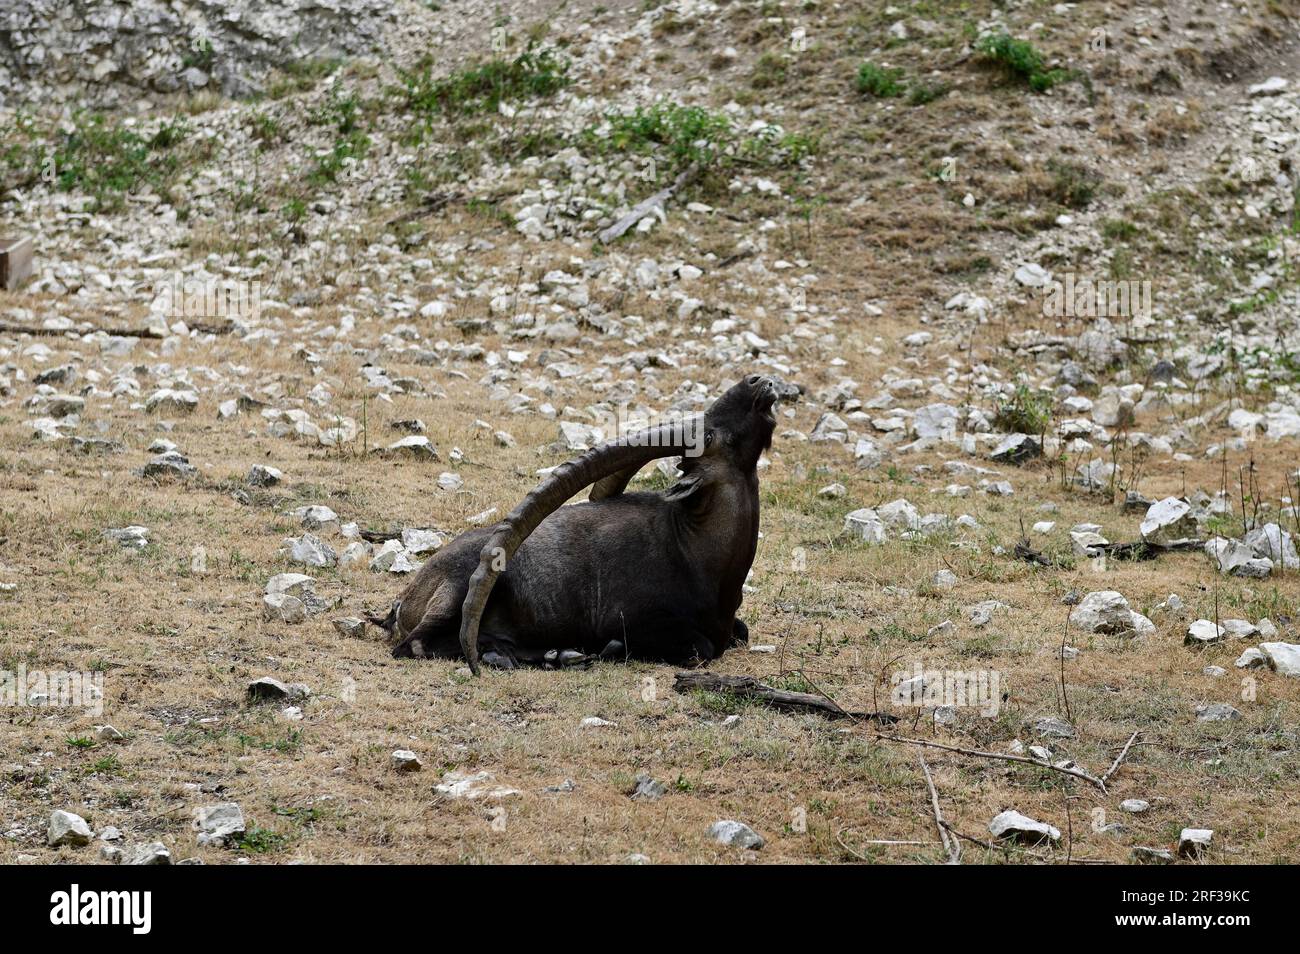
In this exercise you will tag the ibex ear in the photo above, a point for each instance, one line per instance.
(689, 485)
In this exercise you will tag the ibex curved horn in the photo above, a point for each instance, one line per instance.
(612, 463)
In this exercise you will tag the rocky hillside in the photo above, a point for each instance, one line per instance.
(109, 52)
(315, 290)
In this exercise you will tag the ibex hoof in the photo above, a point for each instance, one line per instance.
(496, 660)
(565, 659)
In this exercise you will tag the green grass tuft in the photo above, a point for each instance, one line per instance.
(879, 82)
(107, 160)
(1025, 412)
(533, 74)
(1020, 60)
(678, 137)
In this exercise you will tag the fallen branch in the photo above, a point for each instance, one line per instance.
(646, 206)
(1024, 851)
(1134, 550)
(839, 837)
(8, 328)
(1076, 773)
(950, 845)
(1024, 551)
(732, 260)
(1040, 344)
(1119, 758)
(992, 846)
(432, 203)
(750, 688)
(826, 695)
(380, 536)
(1069, 825)
(988, 844)
(1065, 693)
(1141, 550)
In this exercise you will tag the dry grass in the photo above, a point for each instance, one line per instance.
(178, 648)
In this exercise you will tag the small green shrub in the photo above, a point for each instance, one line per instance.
(169, 134)
(298, 76)
(923, 93)
(693, 136)
(533, 74)
(1073, 185)
(265, 130)
(108, 765)
(1025, 412)
(20, 157)
(1020, 60)
(338, 110)
(887, 83)
(200, 55)
(260, 841)
(342, 111)
(879, 82)
(107, 161)
(1118, 230)
(346, 149)
(769, 71)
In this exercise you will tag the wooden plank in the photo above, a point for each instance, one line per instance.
(15, 262)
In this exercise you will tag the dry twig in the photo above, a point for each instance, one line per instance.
(950, 845)
(1119, 758)
(1076, 773)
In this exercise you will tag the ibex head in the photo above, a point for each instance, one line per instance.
(738, 426)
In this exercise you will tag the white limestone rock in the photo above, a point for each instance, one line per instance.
(1168, 522)
(67, 828)
(1013, 826)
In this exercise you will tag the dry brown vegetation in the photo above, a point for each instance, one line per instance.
(178, 647)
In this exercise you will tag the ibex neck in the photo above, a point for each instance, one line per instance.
(725, 536)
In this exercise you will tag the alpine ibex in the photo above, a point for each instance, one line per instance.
(655, 576)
